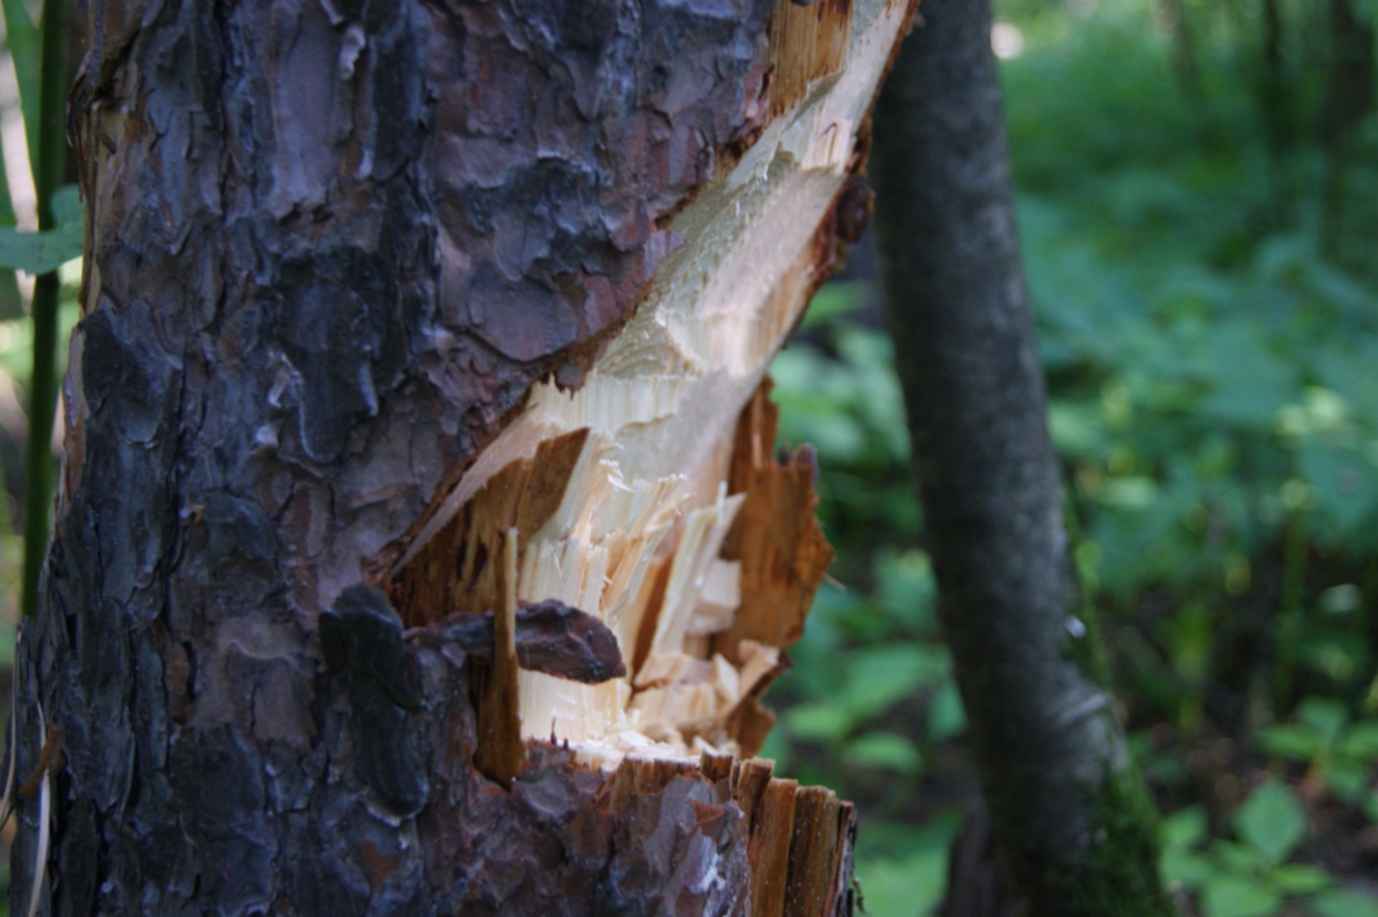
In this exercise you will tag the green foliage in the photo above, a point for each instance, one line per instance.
(1340, 752)
(41, 252)
(1211, 377)
(910, 882)
(1249, 875)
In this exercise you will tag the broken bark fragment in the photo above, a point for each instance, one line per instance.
(777, 541)
(551, 637)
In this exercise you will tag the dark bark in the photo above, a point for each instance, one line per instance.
(1069, 810)
(1184, 55)
(332, 244)
(1275, 107)
(1349, 100)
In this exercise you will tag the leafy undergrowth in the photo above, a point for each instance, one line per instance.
(1212, 366)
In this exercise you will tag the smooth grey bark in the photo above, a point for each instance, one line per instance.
(1069, 810)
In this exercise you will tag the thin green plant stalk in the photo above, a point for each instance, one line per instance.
(1290, 609)
(48, 162)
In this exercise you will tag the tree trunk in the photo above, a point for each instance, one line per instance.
(1184, 56)
(1349, 99)
(420, 546)
(1068, 809)
(1275, 104)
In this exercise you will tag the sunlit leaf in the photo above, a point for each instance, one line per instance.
(1183, 828)
(878, 677)
(1343, 902)
(884, 750)
(41, 252)
(1187, 869)
(946, 715)
(1361, 742)
(1349, 778)
(1300, 879)
(912, 885)
(1272, 821)
(819, 722)
(832, 302)
(1324, 715)
(1231, 896)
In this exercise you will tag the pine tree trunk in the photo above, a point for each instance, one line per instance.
(420, 545)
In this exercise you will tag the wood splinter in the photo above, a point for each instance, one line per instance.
(49, 760)
(501, 753)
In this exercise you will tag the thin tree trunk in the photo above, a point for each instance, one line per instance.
(1275, 107)
(1184, 49)
(396, 314)
(1069, 810)
(1349, 99)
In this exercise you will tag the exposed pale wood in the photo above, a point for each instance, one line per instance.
(718, 599)
(674, 523)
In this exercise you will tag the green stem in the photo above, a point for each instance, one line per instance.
(48, 161)
(1290, 612)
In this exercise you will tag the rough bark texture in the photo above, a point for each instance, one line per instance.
(332, 245)
(1068, 808)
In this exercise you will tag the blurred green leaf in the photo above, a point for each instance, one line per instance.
(946, 715)
(1325, 716)
(878, 677)
(1272, 821)
(1297, 741)
(1361, 742)
(41, 252)
(819, 722)
(907, 590)
(1230, 896)
(1343, 902)
(884, 750)
(909, 886)
(1344, 481)
(1236, 858)
(832, 302)
(1349, 779)
(1183, 828)
(1299, 879)
(1187, 869)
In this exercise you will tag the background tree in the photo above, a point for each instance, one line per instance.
(1069, 810)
